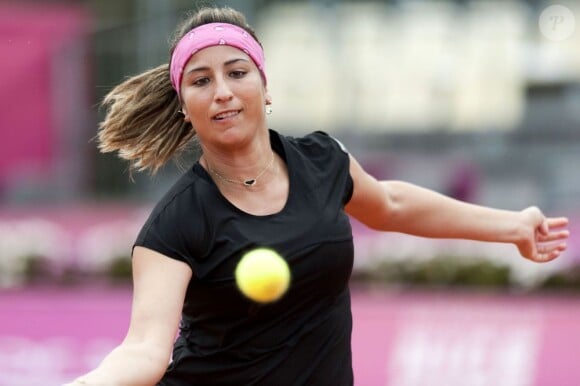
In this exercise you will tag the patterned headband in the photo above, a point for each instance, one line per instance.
(208, 35)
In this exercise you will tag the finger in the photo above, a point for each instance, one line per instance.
(562, 247)
(546, 257)
(544, 228)
(545, 249)
(553, 236)
(556, 222)
(548, 253)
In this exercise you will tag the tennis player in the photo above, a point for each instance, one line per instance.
(254, 186)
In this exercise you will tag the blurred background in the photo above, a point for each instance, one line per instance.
(479, 100)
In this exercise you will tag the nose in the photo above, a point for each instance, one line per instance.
(223, 92)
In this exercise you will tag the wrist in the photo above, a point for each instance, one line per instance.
(519, 228)
(525, 224)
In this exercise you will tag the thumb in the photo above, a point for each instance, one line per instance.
(544, 228)
(538, 220)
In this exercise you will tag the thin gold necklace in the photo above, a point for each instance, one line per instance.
(246, 183)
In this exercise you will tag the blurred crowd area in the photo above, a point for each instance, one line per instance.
(475, 99)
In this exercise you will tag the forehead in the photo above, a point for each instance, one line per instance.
(216, 56)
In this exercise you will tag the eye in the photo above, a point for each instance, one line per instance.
(199, 82)
(237, 74)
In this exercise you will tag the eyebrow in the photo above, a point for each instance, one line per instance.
(226, 63)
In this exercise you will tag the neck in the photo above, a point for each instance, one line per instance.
(247, 179)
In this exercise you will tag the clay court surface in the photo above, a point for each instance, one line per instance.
(48, 335)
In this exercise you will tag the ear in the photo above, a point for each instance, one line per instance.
(183, 111)
(268, 99)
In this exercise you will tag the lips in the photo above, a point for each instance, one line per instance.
(226, 114)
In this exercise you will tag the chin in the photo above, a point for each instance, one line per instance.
(235, 136)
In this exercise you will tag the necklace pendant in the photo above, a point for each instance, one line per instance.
(250, 182)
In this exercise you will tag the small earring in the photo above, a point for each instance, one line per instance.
(268, 109)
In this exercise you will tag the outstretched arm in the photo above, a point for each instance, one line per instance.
(142, 358)
(402, 207)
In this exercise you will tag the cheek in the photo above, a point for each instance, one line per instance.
(256, 98)
(195, 105)
(197, 118)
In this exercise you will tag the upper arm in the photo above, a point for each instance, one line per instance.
(159, 287)
(369, 202)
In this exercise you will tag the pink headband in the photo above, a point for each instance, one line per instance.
(208, 35)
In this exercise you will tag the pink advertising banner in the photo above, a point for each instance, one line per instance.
(32, 38)
(48, 336)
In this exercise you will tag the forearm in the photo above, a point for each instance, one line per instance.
(127, 365)
(423, 212)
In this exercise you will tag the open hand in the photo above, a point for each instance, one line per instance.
(543, 238)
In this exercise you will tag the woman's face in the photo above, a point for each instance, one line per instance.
(223, 96)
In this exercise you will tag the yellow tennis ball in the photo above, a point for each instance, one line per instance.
(262, 275)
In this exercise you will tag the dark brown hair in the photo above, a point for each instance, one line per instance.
(143, 122)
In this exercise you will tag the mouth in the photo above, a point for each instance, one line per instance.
(226, 115)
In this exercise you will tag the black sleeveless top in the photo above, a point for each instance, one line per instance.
(225, 339)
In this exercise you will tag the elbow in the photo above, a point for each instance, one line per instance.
(377, 205)
(383, 214)
(152, 363)
(159, 358)
(158, 371)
